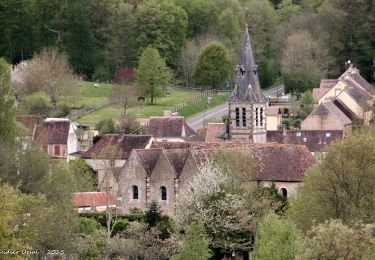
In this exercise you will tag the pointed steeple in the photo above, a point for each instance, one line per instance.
(247, 84)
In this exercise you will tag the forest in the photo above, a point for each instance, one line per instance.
(298, 42)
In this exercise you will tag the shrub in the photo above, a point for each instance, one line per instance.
(37, 104)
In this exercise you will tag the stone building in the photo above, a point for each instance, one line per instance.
(162, 173)
(247, 103)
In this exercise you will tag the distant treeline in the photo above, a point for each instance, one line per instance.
(300, 40)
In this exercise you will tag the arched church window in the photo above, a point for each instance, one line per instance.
(244, 123)
(163, 193)
(284, 192)
(135, 192)
(261, 116)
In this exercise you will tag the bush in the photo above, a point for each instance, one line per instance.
(120, 226)
(129, 125)
(61, 110)
(37, 104)
(101, 74)
(106, 126)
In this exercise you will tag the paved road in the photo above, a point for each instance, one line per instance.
(196, 121)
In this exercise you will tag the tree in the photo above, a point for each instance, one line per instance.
(82, 53)
(37, 103)
(153, 214)
(307, 103)
(195, 244)
(161, 25)
(7, 105)
(212, 67)
(83, 176)
(48, 72)
(130, 125)
(335, 240)
(226, 218)
(106, 126)
(341, 185)
(300, 65)
(122, 95)
(286, 9)
(152, 74)
(277, 238)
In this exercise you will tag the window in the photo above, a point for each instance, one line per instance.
(237, 117)
(257, 117)
(163, 193)
(261, 116)
(244, 117)
(284, 192)
(298, 134)
(57, 150)
(135, 192)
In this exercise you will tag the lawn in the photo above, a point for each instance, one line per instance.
(144, 110)
(90, 95)
(202, 105)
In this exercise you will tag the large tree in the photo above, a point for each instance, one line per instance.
(277, 238)
(341, 186)
(7, 105)
(153, 74)
(212, 67)
(161, 25)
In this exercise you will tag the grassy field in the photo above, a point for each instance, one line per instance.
(144, 110)
(90, 95)
(200, 106)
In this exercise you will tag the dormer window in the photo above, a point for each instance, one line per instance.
(255, 69)
(242, 70)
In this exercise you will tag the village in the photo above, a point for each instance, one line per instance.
(211, 152)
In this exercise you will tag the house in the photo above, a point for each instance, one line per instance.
(327, 116)
(273, 118)
(109, 154)
(315, 140)
(57, 137)
(162, 174)
(171, 129)
(351, 93)
(93, 201)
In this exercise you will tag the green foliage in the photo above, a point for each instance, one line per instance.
(286, 9)
(152, 215)
(106, 126)
(300, 81)
(335, 240)
(152, 74)
(276, 200)
(307, 103)
(212, 67)
(88, 225)
(82, 53)
(37, 103)
(83, 175)
(195, 245)
(7, 104)
(161, 25)
(277, 238)
(341, 185)
(120, 226)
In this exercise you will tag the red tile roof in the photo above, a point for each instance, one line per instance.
(169, 127)
(92, 199)
(117, 146)
(53, 132)
(213, 130)
(314, 140)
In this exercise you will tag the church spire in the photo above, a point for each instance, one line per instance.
(247, 84)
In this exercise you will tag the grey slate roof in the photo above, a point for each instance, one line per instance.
(247, 84)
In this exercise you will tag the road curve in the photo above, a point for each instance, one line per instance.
(196, 121)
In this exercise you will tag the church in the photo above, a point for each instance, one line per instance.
(247, 103)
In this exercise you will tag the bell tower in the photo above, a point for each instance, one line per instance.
(247, 103)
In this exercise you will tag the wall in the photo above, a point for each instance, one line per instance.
(291, 187)
(273, 123)
(331, 94)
